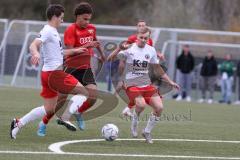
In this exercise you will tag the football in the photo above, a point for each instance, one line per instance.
(110, 132)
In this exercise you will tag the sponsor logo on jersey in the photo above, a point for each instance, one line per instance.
(147, 56)
(138, 63)
(85, 40)
(91, 31)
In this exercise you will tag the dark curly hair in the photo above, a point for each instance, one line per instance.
(83, 8)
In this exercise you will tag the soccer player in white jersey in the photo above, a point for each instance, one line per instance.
(54, 80)
(131, 39)
(140, 91)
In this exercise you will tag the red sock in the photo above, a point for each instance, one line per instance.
(85, 106)
(47, 117)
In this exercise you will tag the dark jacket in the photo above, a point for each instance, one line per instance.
(185, 63)
(209, 67)
(238, 69)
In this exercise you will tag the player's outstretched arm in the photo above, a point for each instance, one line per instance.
(75, 51)
(113, 55)
(122, 46)
(159, 71)
(175, 85)
(34, 51)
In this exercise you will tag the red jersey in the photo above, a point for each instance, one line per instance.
(76, 37)
(133, 39)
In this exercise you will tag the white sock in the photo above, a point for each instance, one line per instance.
(134, 120)
(76, 102)
(34, 114)
(151, 123)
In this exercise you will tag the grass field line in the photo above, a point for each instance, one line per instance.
(56, 147)
(120, 155)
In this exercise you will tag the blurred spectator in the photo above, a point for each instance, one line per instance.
(185, 64)
(112, 74)
(208, 77)
(238, 82)
(111, 67)
(226, 68)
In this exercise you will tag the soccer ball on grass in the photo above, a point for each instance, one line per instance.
(110, 132)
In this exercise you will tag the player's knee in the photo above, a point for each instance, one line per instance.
(140, 104)
(158, 110)
(49, 109)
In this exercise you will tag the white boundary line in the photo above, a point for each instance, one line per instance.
(56, 148)
(121, 155)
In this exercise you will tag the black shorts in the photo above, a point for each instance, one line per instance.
(84, 76)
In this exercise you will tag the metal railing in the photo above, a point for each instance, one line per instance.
(3, 47)
(157, 33)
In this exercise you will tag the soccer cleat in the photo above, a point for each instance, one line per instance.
(41, 129)
(80, 121)
(188, 99)
(67, 124)
(210, 101)
(236, 102)
(14, 129)
(201, 100)
(127, 112)
(179, 98)
(147, 136)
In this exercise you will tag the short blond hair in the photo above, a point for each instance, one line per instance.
(145, 30)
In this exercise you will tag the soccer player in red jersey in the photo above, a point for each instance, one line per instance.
(54, 80)
(81, 34)
(140, 26)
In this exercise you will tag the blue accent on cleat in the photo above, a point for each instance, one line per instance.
(41, 129)
(80, 121)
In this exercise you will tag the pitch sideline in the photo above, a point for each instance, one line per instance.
(56, 150)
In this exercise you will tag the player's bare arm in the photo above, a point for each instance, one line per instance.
(161, 56)
(113, 55)
(159, 71)
(122, 46)
(93, 44)
(75, 51)
(96, 44)
(34, 51)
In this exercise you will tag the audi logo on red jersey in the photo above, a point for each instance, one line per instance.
(85, 40)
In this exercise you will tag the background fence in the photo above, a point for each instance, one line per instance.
(16, 36)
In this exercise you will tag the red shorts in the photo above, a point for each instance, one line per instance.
(146, 92)
(56, 81)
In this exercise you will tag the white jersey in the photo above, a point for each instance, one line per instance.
(137, 64)
(52, 51)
